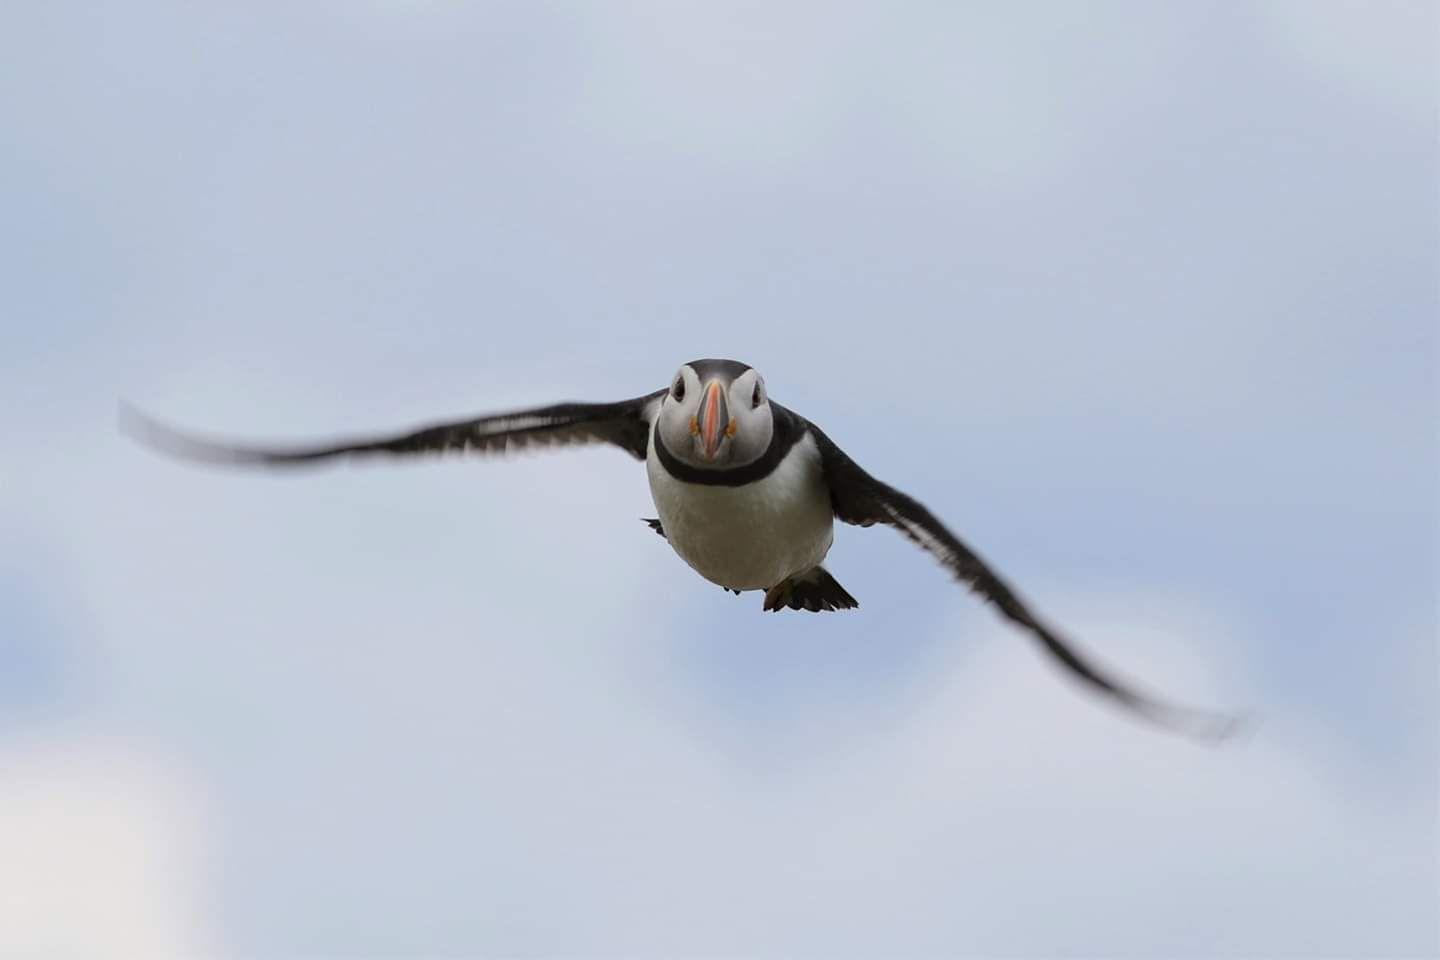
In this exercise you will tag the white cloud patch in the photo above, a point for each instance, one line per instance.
(992, 809)
(1384, 51)
(102, 852)
(505, 750)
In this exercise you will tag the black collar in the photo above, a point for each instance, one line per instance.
(788, 430)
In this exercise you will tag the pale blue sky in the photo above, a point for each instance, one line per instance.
(1141, 298)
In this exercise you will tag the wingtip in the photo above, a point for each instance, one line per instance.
(131, 422)
(1202, 726)
(127, 417)
(1226, 728)
(145, 430)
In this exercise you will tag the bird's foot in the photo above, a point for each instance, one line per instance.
(813, 590)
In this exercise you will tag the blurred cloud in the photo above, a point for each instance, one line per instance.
(1382, 50)
(101, 851)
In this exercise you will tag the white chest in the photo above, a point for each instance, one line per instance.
(754, 536)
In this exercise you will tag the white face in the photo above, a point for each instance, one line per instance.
(718, 422)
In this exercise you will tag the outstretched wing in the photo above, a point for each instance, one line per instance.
(860, 499)
(625, 424)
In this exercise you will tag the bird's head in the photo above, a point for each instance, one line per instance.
(716, 415)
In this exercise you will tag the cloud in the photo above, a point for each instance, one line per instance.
(1384, 51)
(567, 744)
(102, 851)
(990, 808)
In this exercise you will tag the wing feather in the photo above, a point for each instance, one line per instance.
(858, 498)
(624, 424)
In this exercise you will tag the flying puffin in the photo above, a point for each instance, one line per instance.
(747, 490)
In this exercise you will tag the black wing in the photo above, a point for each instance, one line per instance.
(625, 424)
(860, 499)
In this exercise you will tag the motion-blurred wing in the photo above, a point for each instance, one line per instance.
(860, 499)
(625, 424)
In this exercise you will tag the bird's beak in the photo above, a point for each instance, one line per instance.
(714, 419)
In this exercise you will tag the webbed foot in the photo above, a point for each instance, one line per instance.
(813, 590)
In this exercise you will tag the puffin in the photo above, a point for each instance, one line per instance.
(747, 492)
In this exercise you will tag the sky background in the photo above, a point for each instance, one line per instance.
(1140, 298)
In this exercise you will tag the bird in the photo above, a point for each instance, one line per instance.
(747, 494)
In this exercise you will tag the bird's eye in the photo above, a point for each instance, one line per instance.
(678, 391)
(758, 397)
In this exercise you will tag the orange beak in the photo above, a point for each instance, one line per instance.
(714, 418)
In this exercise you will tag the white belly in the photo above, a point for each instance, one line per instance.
(750, 537)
